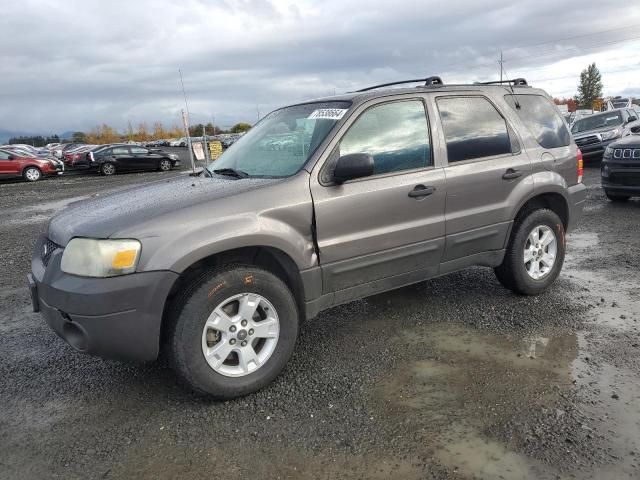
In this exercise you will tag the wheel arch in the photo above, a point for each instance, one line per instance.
(26, 167)
(551, 199)
(268, 258)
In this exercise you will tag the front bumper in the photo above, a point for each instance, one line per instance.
(621, 176)
(117, 317)
(577, 197)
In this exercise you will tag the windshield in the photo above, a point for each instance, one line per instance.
(594, 122)
(283, 141)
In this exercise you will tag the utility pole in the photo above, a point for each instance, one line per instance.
(258, 111)
(501, 61)
(185, 119)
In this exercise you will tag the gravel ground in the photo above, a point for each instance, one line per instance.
(454, 378)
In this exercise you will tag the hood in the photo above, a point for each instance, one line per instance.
(630, 141)
(102, 216)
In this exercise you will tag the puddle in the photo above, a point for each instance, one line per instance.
(472, 382)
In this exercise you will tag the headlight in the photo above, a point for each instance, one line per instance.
(100, 258)
(615, 133)
(608, 152)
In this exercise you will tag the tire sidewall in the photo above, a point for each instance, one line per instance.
(187, 339)
(534, 219)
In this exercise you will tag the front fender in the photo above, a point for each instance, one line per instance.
(230, 234)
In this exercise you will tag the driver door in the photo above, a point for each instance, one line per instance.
(376, 233)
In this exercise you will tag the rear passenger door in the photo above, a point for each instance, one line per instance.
(122, 158)
(486, 172)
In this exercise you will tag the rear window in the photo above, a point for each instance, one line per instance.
(473, 129)
(542, 120)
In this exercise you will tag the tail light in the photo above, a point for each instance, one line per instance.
(580, 166)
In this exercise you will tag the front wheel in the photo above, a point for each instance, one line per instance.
(616, 198)
(535, 253)
(32, 174)
(164, 165)
(232, 332)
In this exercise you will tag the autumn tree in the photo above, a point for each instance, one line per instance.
(158, 131)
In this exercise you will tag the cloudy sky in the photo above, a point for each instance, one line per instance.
(72, 64)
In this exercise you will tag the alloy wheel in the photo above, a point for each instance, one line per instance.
(540, 252)
(240, 335)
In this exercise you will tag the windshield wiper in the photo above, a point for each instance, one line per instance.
(231, 172)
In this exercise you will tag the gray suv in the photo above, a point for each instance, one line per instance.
(319, 204)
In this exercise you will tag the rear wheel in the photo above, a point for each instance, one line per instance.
(535, 253)
(232, 332)
(164, 165)
(32, 174)
(108, 169)
(616, 198)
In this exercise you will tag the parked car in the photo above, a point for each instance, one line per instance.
(180, 142)
(593, 133)
(118, 158)
(620, 169)
(30, 168)
(77, 157)
(376, 190)
(22, 152)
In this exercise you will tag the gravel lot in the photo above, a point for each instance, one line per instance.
(451, 378)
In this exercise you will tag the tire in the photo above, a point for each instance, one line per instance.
(519, 276)
(108, 169)
(617, 198)
(164, 165)
(188, 338)
(32, 174)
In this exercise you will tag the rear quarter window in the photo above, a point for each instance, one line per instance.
(541, 118)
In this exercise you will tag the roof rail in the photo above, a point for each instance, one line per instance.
(427, 82)
(517, 82)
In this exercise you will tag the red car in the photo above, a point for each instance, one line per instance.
(30, 168)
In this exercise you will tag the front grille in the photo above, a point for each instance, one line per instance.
(48, 247)
(626, 179)
(589, 140)
(626, 153)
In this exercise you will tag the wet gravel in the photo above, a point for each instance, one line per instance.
(451, 378)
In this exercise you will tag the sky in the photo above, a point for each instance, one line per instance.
(74, 64)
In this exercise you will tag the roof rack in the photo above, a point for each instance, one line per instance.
(517, 82)
(427, 82)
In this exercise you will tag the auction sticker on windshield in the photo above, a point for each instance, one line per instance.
(328, 113)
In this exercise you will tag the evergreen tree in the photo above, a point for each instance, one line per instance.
(590, 87)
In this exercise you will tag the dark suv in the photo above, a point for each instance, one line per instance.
(620, 169)
(593, 133)
(319, 204)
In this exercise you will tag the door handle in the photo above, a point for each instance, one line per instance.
(420, 191)
(510, 174)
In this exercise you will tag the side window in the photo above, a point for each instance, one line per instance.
(120, 151)
(4, 155)
(395, 134)
(139, 151)
(542, 120)
(473, 128)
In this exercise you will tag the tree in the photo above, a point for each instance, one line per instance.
(159, 132)
(240, 127)
(590, 87)
(78, 137)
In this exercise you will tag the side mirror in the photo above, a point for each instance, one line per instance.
(354, 165)
(11, 157)
(632, 119)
